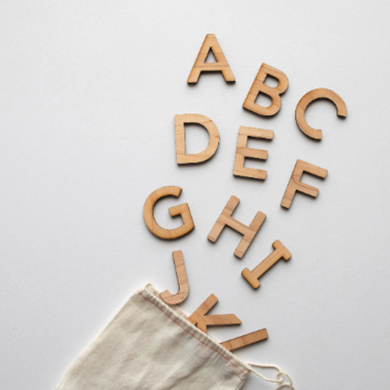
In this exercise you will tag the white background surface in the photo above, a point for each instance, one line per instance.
(88, 94)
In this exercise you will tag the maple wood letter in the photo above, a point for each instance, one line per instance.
(279, 253)
(199, 318)
(211, 43)
(208, 124)
(242, 152)
(320, 93)
(295, 183)
(274, 93)
(182, 210)
(182, 280)
(246, 339)
(226, 219)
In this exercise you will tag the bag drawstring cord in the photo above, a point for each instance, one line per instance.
(281, 376)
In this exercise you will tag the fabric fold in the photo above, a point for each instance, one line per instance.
(149, 345)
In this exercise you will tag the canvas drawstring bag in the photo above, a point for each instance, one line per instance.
(151, 346)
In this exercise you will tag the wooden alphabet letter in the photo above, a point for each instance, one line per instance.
(181, 209)
(279, 253)
(320, 93)
(258, 86)
(226, 219)
(246, 339)
(199, 318)
(296, 185)
(221, 65)
(181, 274)
(208, 124)
(242, 152)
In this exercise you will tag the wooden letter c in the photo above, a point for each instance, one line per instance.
(320, 93)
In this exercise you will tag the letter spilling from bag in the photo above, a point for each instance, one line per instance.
(208, 124)
(184, 289)
(149, 345)
(182, 209)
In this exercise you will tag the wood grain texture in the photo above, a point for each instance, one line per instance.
(274, 93)
(246, 339)
(221, 64)
(226, 219)
(242, 152)
(208, 124)
(280, 252)
(295, 183)
(310, 97)
(199, 318)
(182, 209)
(182, 280)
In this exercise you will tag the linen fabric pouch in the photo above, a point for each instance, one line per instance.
(151, 346)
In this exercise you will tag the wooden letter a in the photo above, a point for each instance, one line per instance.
(211, 43)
